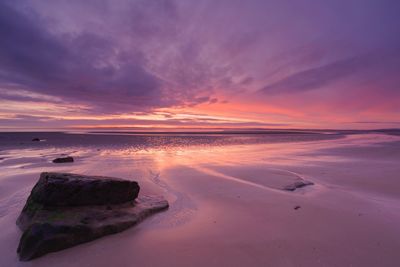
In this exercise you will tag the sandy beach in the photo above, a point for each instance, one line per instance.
(228, 206)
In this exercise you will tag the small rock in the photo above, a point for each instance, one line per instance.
(85, 220)
(63, 160)
(297, 207)
(36, 140)
(297, 184)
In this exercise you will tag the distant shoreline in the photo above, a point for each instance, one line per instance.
(393, 131)
(205, 133)
(214, 131)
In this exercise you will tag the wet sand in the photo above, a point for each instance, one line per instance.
(227, 203)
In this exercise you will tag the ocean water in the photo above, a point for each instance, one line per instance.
(137, 141)
(147, 155)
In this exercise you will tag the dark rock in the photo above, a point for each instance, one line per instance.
(297, 207)
(35, 140)
(63, 160)
(68, 189)
(297, 184)
(65, 209)
(51, 230)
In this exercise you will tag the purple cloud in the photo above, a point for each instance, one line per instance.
(84, 67)
(128, 56)
(381, 65)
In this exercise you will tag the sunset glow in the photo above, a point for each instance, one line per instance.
(198, 64)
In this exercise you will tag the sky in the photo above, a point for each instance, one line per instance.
(199, 64)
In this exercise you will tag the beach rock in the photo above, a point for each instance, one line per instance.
(35, 140)
(51, 223)
(50, 230)
(68, 189)
(63, 160)
(297, 184)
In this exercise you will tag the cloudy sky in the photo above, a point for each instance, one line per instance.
(143, 64)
